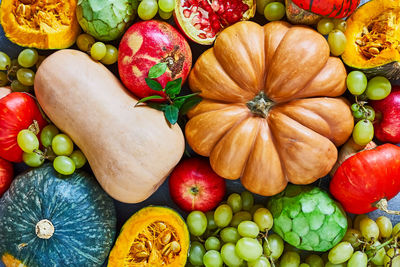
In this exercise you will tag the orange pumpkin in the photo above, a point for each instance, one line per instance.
(269, 113)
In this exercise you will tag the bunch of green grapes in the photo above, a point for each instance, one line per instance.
(20, 72)
(235, 234)
(57, 147)
(335, 29)
(272, 10)
(105, 53)
(376, 88)
(148, 9)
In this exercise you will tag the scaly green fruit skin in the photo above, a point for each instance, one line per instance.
(307, 218)
(106, 20)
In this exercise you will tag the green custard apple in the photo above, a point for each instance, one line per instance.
(307, 218)
(106, 20)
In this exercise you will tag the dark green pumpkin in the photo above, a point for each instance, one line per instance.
(81, 214)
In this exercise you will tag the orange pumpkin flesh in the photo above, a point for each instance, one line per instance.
(269, 114)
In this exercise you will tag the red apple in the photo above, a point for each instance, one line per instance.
(6, 175)
(193, 185)
(387, 125)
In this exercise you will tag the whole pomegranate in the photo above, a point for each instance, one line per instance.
(6, 175)
(193, 185)
(202, 20)
(144, 45)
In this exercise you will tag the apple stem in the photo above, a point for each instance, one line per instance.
(383, 205)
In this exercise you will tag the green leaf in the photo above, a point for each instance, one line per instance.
(171, 113)
(186, 96)
(190, 103)
(144, 99)
(158, 106)
(178, 103)
(173, 87)
(157, 70)
(156, 86)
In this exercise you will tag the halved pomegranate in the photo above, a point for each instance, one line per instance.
(202, 20)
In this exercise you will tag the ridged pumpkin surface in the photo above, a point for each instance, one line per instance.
(268, 114)
(153, 236)
(82, 215)
(44, 24)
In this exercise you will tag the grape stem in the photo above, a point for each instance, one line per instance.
(383, 205)
(34, 127)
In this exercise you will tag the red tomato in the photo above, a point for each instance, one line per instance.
(367, 177)
(17, 112)
(193, 185)
(6, 175)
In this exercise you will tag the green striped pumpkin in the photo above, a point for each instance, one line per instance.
(47, 219)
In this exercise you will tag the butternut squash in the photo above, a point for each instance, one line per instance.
(130, 150)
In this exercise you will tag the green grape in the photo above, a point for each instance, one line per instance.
(274, 11)
(392, 258)
(166, 5)
(325, 26)
(79, 158)
(12, 70)
(358, 259)
(16, 86)
(247, 200)
(340, 24)
(385, 226)
(248, 229)
(239, 217)
(356, 82)
(273, 246)
(64, 165)
(223, 214)
(353, 236)
(369, 229)
(3, 78)
(62, 145)
(5, 61)
(263, 218)
(396, 230)
(212, 243)
(26, 76)
(85, 42)
(315, 261)
(378, 256)
(147, 9)
(248, 249)
(28, 57)
(363, 132)
(47, 134)
(197, 223)
(212, 258)
(98, 51)
(229, 235)
(261, 4)
(358, 114)
(340, 253)
(378, 88)
(355, 107)
(27, 141)
(235, 202)
(370, 113)
(357, 220)
(111, 55)
(337, 42)
(290, 259)
(229, 255)
(34, 159)
(210, 220)
(196, 253)
(260, 262)
(50, 155)
(255, 208)
(165, 15)
(304, 265)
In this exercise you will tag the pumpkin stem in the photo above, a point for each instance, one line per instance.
(383, 205)
(260, 104)
(44, 229)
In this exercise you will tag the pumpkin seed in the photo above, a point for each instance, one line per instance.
(165, 237)
(142, 254)
(166, 250)
(175, 247)
(373, 50)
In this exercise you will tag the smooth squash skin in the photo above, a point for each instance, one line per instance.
(131, 150)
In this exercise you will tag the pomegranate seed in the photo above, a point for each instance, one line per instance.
(196, 19)
(197, 26)
(202, 36)
(215, 6)
(194, 9)
(186, 13)
(210, 35)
